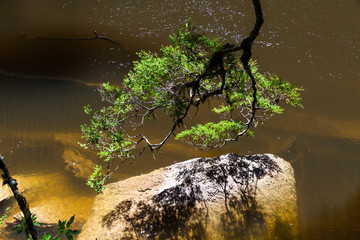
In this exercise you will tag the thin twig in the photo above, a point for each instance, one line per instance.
(97, 36)
(39, 77)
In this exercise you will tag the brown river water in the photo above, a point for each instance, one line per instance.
(44, 83)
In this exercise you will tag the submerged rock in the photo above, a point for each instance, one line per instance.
(77, 163)
(5, 192)
(227, 197)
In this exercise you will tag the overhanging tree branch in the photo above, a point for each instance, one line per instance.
(191, 71)
(214, 67)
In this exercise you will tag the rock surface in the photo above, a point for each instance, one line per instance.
(228, 197)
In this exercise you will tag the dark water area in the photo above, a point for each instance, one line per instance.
(44, 84)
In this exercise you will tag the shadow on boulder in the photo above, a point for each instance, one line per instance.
(182, 211)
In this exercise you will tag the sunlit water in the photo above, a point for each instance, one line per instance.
(45, 83)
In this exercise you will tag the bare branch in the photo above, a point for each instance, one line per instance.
(40, 77)
(97, 36)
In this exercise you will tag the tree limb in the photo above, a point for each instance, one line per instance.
(39, 77)
(246, 46)
(24, 206)
(97, 36)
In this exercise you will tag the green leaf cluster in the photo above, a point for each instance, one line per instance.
(4, 217)
(19, 228)
(96, 180)
(63, 228)
(237, 106)
(211, 132)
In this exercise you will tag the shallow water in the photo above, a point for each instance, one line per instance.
(315, 44)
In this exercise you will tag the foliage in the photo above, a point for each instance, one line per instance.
(96, 180)
(4, 217)
(177, 81)
(22, 225)
(63, 228)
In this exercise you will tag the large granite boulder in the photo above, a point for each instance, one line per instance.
(227, 197)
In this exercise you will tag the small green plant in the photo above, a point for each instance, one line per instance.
(63, 228)
(22, 225)
(4, 217)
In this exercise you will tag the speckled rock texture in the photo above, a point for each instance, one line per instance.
(226, 197)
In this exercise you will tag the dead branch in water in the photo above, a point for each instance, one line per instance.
(39, 77)
(97, 36)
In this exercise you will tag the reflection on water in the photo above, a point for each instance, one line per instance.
(315, 44)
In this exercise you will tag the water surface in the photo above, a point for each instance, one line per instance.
(314, 44)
